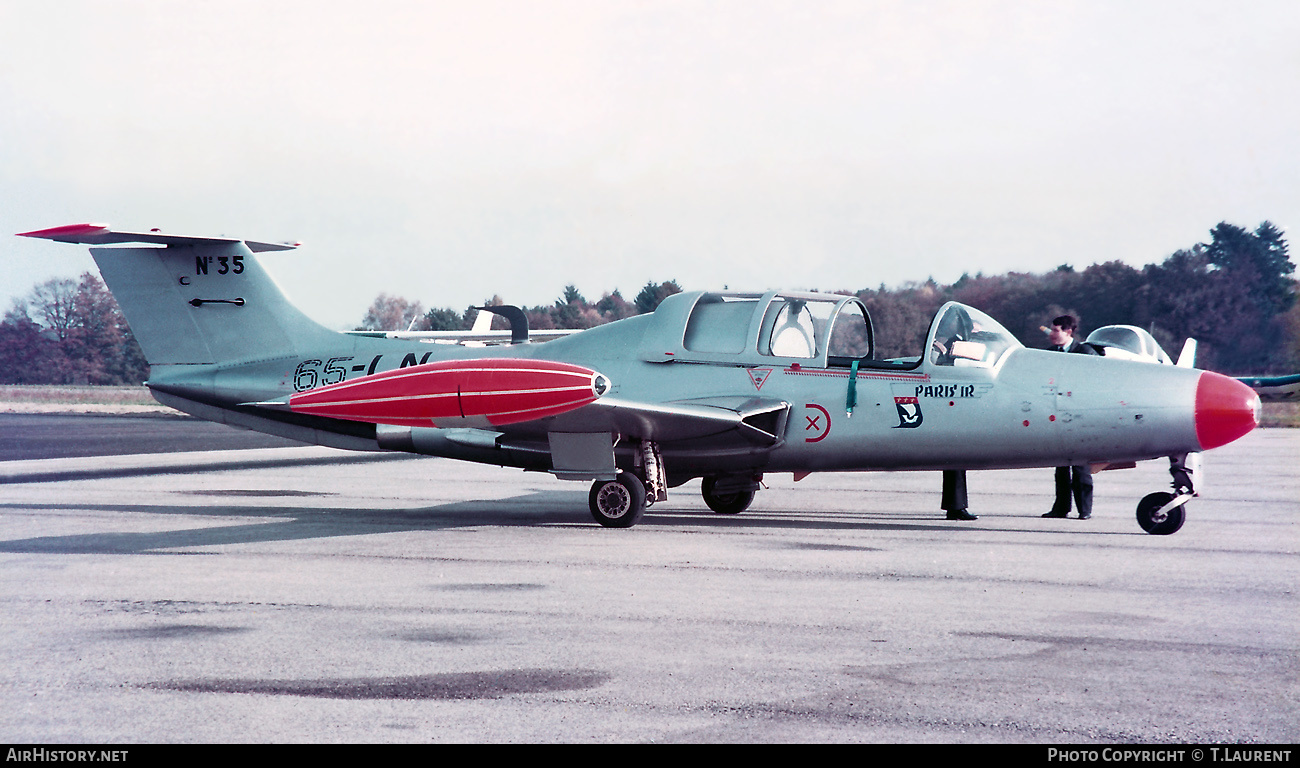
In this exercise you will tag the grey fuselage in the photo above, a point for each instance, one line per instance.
(1033, 408)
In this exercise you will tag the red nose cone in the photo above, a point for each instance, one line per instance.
(1226, 409)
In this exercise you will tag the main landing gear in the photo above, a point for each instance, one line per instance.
(620, 502)
(1162, 513)
(728, 496)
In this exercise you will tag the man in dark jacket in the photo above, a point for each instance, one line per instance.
(1074, 481)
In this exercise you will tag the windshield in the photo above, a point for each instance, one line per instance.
(850, 337)
(964, 337)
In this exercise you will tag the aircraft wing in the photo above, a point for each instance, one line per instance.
(481, 334)
(721, 423)
(747, 421)
(102, 234)
(1275, 388)
(462, 337)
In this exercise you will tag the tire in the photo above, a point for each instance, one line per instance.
(617, 503)
(725, 503)
(1163, 525)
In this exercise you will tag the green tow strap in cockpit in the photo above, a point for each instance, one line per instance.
(852, 401)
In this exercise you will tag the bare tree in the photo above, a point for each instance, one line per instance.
(393, 313)
(53, 303)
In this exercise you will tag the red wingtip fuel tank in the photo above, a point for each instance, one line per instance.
(1226, 409)
(500, 390)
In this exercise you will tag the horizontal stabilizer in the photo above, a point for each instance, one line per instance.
(101, 234)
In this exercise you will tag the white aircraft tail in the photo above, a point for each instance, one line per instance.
(198, 300)
(1187, 358)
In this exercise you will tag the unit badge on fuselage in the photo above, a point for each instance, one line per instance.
(909, 412)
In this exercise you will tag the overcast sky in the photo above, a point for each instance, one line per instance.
(450, 151)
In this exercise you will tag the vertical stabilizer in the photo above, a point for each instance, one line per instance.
(196, 300)
(203, 303)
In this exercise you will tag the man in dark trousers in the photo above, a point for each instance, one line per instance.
(954, 500)
(1070, 481)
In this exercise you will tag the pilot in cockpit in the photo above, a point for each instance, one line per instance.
(955, 329)
(962, 341)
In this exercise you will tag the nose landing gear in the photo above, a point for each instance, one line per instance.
(1163, 513)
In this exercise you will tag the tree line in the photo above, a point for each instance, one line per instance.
(571, 310)
(1235, 294)
(69, 332)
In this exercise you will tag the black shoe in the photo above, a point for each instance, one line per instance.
(1084, 515)
(961, 514)
(1054, 513)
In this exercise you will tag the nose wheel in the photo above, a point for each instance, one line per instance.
(1162, 513)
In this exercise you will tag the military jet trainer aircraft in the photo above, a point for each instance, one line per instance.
(719, 386)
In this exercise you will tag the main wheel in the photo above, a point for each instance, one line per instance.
(725, 503)
(1154, 521)
(617, 503)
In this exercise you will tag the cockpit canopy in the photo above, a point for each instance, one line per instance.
(964, 337)
(778, 328)
(1128, 342)
(811, 329)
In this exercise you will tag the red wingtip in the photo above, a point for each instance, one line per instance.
(70, 230)
(1226, 409)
